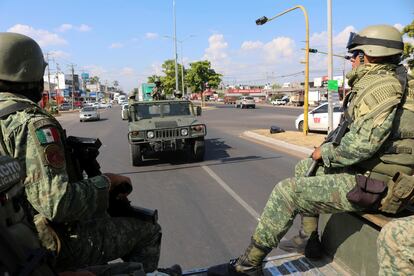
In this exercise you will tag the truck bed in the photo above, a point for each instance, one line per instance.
(292, 264)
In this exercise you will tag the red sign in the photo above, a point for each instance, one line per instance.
(316, 120)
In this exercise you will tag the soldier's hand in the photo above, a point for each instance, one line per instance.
(316, 154)
(119, 182)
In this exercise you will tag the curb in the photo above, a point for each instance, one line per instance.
(279, 143)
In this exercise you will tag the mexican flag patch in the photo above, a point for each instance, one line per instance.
(47, 135)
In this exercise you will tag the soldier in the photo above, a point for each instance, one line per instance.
(70, 215)
(378, 144)
(156, 93)
(395, 245)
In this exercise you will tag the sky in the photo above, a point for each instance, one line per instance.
(128, 40)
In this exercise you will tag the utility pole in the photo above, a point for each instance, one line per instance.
(330, 65)
(182, 68)
(57, 83)
(175, 48)
(48, 78)
(73, 86)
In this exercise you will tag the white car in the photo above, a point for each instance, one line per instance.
(278, 102)
(318, 118)
(245, 102)
(89, 113)
(124, 112)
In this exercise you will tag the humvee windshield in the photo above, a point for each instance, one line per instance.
(148, 110)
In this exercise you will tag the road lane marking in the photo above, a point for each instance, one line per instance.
(232, 193)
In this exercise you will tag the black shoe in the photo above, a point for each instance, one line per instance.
(174, 270)
(233, 268)
(313, 249)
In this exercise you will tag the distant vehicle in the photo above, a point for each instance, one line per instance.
(220, 100)
(89, 113)
(318, 118)
(124, 112)
(245, 102)
(65, 106)
(230, 99)
(278, 102)
(165, 126)
(105, 105)
(121, 98)
(297, 99)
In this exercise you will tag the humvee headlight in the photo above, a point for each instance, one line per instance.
(150, 134)
(184, 132)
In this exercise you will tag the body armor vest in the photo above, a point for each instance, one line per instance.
(397, 153)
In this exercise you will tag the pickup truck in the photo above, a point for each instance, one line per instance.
(278, 102)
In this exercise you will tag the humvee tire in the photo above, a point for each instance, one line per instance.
(136, 155)
(197, 151)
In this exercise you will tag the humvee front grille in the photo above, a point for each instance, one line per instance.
(167, 133)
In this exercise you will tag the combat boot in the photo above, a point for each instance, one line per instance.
(174, 270)
(250, 263)
(308, 245)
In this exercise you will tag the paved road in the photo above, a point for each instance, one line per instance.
(208, 210)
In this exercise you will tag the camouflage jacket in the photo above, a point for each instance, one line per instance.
(37, 140)
(372, 123)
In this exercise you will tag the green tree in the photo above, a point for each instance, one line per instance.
(199, 74)
(408, 47)
(152, 78)
(94, 79)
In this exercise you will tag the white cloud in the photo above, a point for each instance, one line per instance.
(251, 45)
(399, 26)
(116, 45)
(151, 35)
(59, 54)
(127, 72)
(43, 37)
(84, 28)
(216, 50)
(280, 47)
(65, 27)
(339, 40)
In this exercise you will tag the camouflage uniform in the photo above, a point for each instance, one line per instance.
(396, 247)
(75, 210)
(326, 192)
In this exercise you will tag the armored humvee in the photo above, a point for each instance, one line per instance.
(165, 125)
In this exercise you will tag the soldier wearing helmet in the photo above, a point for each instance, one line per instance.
(69, 213)
(378, 144)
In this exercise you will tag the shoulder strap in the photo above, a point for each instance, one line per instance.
(401, 74)
(18, 106)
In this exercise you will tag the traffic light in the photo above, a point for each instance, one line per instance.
(313, 50)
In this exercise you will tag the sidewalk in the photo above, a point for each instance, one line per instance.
(289, 140)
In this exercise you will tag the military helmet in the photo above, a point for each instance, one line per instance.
(377, 41)
(21, 59)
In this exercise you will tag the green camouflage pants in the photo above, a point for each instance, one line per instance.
(323, 193)
(101, 240)
(395, 245)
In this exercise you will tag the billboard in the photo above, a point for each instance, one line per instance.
(85, 76)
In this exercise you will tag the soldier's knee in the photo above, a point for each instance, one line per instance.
(386, 237)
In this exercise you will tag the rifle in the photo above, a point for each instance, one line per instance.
(85, 151)
(333, 137)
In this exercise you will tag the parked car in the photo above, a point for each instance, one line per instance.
(124, 112)
(318, 118)
(65, 106)
(245, 102)
(278, 102)
(89, 113)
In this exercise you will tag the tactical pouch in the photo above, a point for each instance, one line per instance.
(367, 192)
(400, 193)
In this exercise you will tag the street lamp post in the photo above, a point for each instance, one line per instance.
(264, 20)
(175, 49)
(182, 54)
